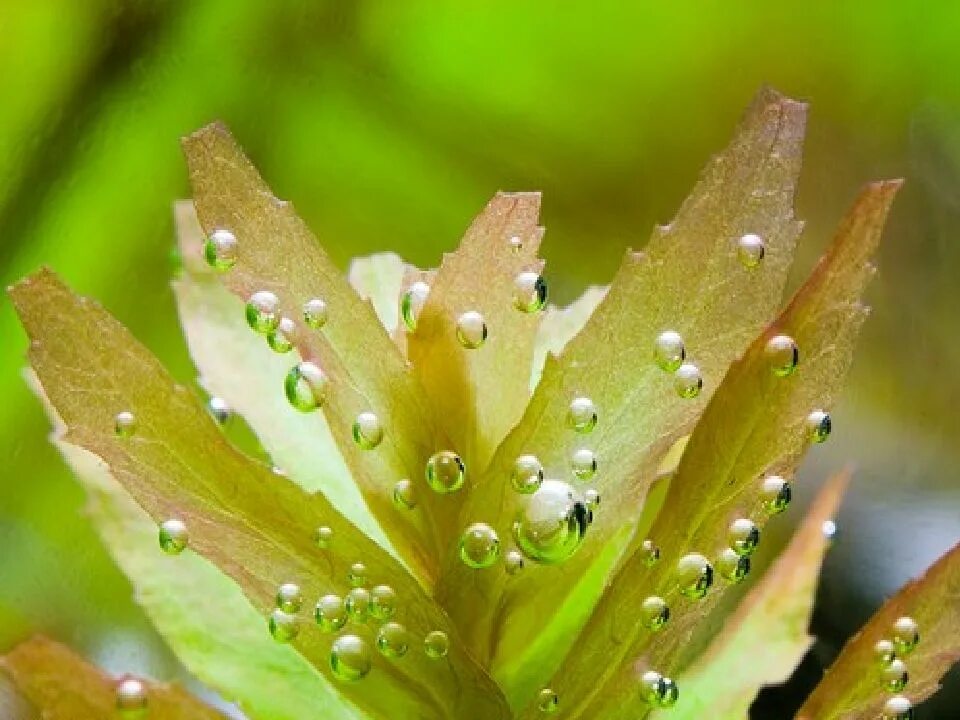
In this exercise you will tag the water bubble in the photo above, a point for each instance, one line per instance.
(358, 604)
(323, 536)
(547, 701)
(694, 575)
(527, 474)
(131, 697)
(350, 658)
(367, 430)
(125, 424)
(393, 640)
(529, 292)
(582, 414)
(513, 562)
(906, 635)
(445, 472)
(655, 612)
(592, 498)
(306, 386)
(895, 675)
(404, 495)
(357, 575)
(411, 303)
(733, 567)
(436, 644)
(898, 708)
(330, 613)
(650, 552)
(688, 381)
(515, 243)
(471, 330)
(173, 536)
(782, 354)
(551, 526)
(884, 651)
(315, 313)
(743, 535)
(383, 602)
(220, 250)
(669, 351)
(829, 530)
(479, 546)
(284, 626)
(263, 312)
(750, 250)
(289, 597)
(776, 494)
(583, 462)
(282, 338)
(659, 691)
(220, 410)
(819, 426)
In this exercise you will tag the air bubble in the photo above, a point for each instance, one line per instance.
(315, 313)
(688, 381)
(776, 494)
(357, 575)
(659, 691)
(436, 644)
(582, 414)
(527, 474)
(358, 604)
(884, 651)
(513, 562)
(694, 575)
(289, 598)
(783, 355)
(412, 302)
(471, 330)
(583, 462)
(733, 567)
(283, 626)
(743, 535)
(898, 708)
(895, 675)
(592, 499)
(220, 250)
(306, 386)
(350, 658)
(445, 472)
(323, 537)
(393, 640)
(367, 431)
(404, 495)
(819, 426)
(547, 701)
(131, 698)
(330, 613)
(669, 351)
(125, 424)
(655, 611)
(263, 312)
(383, 602)
(529, 292)
(650, 552)
(750, 250)
(906, 635)
(282, 338)
(479, 546)
(220, 410)
(552, 524)
(173, 536)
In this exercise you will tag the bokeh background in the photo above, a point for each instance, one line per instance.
(390, 123)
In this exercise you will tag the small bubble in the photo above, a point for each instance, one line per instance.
(819, 426)
(445, 472)
(350, 658)
(131, 697)
(743, 536)
(669, 351)
(547, 701)
(284, 626)
(884, 651)
(655, 612)
(829, 530)
(733, 567)
(263, 312)
(895, 675)
(527, 474)
(436, 644)
(776, 494)
(323, 536)
(592, 498)
(330, 613)
(529, 292)
(750, 250)
(358, 604)
(220, 250)
(315, 313)
(173, 536)
(659, 691)
(515, 243)
(582, 414)
(220, 410)
(688, 381)
(471, 330)
(306, 386)
(383, 602)
(650, 552)
(357, 576)
(125, 424)
(513, 562)
(393, 640)
(782, 354)
(552, 524)
(906, 635)
(289, 598)
(694, 575)
(583, 462)
(367, 431)
(411, 303)
(404, 495)
(479, 546)
(282, 338)
(898, 708)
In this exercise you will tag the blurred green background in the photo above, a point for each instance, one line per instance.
(391, 122)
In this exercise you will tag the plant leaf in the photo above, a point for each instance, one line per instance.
(690, 280)
(64, 686)
(560, 325)
(379, 279)
(256, 526)
(480, 394)
(853, 686)
(754, 425)
(769, 626)
(277, 252)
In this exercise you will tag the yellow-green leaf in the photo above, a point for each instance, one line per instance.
(379, 279)
(560, 325)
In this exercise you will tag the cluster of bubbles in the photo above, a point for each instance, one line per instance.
(889, 652)
(131, 698)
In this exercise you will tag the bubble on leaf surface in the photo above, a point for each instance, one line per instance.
(220, 250)
(315, 313)
(783, 355)
(471, 330)
(393, 640)
(751, 250)
(357, 575)
(743, 536)
(358, 604)
(669, 351)
(552, 524)
(582, 414)
(323, 536)
(330, 613)
(895, 675)
(819, 426)
(829, 529)
(694, 575)
(367, 430)
(289, 598)
(263, 312)
(898, 708)
(282, 338)
(220, 410)
(650, 552)
(733, 567)
(350, 658)
(547, 701)
(687, 380)
(592, 499)
(125, 424)
(583, 462)
(884, 651)
(776, 494)
(131, 697)
(513, 562)
(655, 612)
(445, 472)
(479, 546)
(906, 635)
(383, 602)
(527, 474)
(515, 243)
(404, 495)
(659, 691)
(436, 644)
(529, 292)
(173, 536)
(412, 302)
(306, 386)
(283, 626)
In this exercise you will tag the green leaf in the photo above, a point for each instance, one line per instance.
(769, 626)
(689, 280)
(255, 526)
(367, 372)
(853, 686)
(479, 394)
(755, 425)
(379, 279)
(63, 686)
(560, 325)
